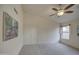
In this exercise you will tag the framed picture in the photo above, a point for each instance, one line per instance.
(10, 27)
(78, 30)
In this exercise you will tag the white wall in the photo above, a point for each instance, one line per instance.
(12, 46)
(38, 30)
(74, 39)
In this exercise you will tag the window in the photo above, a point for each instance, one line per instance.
(65, 31)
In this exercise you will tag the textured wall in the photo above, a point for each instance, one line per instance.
(38, 30)
(12, 46)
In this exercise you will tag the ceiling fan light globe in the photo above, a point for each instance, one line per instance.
(60, 12)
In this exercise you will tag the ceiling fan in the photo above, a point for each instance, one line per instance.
(61, 11)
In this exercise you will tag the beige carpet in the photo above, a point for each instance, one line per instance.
(48, 49)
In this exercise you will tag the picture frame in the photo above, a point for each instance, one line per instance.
(10, 27)
(77, 30)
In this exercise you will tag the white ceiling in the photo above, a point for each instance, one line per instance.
(45, 10)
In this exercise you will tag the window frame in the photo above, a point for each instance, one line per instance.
(61, 31)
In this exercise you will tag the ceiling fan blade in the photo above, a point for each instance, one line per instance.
(52, 15)
(55, 9)
(69, 11)
(69, 6)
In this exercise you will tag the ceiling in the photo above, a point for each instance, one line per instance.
(45, 10)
